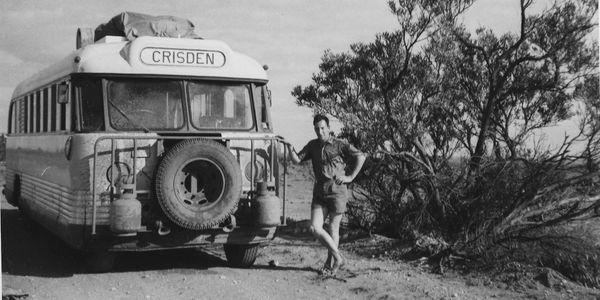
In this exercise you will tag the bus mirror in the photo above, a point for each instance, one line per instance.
(63, 93)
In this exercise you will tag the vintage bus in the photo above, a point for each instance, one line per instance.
(148, 144)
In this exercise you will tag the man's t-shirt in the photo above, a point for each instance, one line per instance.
(328, 158)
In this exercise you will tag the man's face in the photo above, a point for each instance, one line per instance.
(322, 130)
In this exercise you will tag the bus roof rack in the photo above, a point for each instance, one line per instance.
(132, 25)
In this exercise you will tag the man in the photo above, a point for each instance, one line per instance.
(329, 156)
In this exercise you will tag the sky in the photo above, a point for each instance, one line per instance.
(288, 36)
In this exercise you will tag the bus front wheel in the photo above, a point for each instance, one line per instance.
(99, 261)
(241, 256)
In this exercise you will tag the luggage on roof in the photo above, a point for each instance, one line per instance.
(132, 25)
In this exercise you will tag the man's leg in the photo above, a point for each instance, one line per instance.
(337, 208)
(318, 214)
(334, 226)
(329, 261)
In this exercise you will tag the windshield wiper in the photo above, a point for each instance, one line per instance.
(146, 130)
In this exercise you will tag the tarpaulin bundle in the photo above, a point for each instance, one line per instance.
(132, 25)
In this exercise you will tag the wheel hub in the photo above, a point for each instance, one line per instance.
(199, 184)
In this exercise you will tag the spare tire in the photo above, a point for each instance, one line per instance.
(198, 183)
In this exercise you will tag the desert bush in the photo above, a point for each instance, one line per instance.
(565, 249)
(524, 208)
(418, 97)
(574, 257)
(394, 197)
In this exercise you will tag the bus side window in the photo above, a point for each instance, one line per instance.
(11, 117)
(53, 111)
(257, 94)
(16, 116)
(64, 109)
(30, 113)
(22, 118)
(92, 107)
(32, 117)
(38, 112)
(45, 110)
(23, 115)
(260, 102)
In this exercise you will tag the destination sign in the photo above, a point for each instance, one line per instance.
(182, 57)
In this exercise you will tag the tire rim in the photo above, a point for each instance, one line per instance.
(199, 183)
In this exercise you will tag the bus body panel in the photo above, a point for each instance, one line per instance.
(47, 192)
(125, 60)
(67, 178)
(58, 192)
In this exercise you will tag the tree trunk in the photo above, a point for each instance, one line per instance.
(483, 133)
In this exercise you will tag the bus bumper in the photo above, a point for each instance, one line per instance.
(151, 240)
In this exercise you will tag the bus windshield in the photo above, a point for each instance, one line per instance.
(145, 104)
(220, 105)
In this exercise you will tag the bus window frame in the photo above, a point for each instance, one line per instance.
(249, 86)
(68, 108)
(264, 104)
(67, 116)
(46, 109)
(53, 104)
(10, 117)
(77, 113)
(108, 122)
(77, 99)
(24, 109)
(22, 106)
(268, 102)
(254, 108)
(60, 92)
(29, 114)
(38, 119)
(49, 99)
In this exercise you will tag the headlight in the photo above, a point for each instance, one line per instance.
(259, 170)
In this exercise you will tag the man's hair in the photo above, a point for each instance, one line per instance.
(318, 118)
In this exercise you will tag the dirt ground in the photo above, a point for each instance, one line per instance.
(36, 265)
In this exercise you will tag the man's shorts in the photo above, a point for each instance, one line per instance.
(330, 195)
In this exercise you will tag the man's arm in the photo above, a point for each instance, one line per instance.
(293, 154)
(359, 160)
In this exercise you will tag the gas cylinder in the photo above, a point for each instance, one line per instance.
(126, 213)
(266, 208)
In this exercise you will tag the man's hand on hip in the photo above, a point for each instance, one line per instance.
(342, 179)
